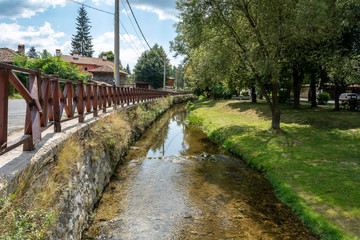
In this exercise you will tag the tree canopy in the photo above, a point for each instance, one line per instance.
(262, 43)
(150, 67)
(81, 41)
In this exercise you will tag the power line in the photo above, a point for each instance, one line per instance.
(137, 23)
(133, 48)
(97, 9)
(129, 37)
(132, 24)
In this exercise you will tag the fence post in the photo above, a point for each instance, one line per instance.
(55, 88)
(4, 94)
(122, 96)
(105, 96)
(95, 99)
(80, 101)
(46, 105)
(32, 124)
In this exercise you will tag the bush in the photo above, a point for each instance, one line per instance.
(218, 91)
(323, 98)
(245, 93)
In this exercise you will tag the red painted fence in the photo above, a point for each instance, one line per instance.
(46, 102)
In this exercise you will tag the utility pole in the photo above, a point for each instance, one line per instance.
(164, 72)
(117, 44)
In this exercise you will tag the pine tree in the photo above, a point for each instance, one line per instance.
(128, 69)
(32, 53)
(82, 40)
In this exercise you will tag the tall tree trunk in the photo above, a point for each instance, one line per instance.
(337, 94)
(297, 81)
(253, 94)
(275, 123)
(313, 91)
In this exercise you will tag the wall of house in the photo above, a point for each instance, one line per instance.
(82, 67)
(104, 77)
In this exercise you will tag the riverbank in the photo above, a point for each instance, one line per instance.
(314, 164)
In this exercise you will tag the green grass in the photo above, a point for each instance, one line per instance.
(16, 96)
(314, 164)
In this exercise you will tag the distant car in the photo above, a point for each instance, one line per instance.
(347, 96)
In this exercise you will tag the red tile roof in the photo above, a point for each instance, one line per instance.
(106, 69)
(87, 60)
(7, 55)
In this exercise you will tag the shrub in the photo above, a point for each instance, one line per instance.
(245, 93)
(323, 98)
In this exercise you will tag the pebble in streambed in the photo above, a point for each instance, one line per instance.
(197, 197)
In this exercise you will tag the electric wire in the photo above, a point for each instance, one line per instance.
(130, 39)
(98, 9)
(132, 24)
(137, 23)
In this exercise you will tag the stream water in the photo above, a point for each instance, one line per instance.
(176, 184)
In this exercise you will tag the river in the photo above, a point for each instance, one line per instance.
(176, 184)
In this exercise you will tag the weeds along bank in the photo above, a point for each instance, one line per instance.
(313, 164)
(54, 198)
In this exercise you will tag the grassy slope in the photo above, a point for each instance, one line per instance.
(314, 164)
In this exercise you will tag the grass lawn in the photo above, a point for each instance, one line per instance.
(314, 164)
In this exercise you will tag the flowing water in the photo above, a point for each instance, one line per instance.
(176, 184)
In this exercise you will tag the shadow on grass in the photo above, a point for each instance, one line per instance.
(315, 117)
(319, 165)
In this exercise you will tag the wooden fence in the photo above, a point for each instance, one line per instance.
(48, 96)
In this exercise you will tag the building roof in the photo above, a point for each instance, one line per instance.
(86, 60)
(106, 69)
(103, 66)
(7, 55)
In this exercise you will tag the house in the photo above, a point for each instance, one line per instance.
(100, 69)
(7, 55)
(144, 85)
(169, 86)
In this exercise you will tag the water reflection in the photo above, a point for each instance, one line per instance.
(176, 184)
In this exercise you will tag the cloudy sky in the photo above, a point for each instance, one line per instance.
(50, 25)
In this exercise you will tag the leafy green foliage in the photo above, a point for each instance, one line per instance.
(81, 41)
(109, 55)
(150, 67)
(218, 91)
(17, 224)
(262, 42)
(51, 65)
(323, 98)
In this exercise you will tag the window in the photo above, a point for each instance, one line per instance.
(85, 68)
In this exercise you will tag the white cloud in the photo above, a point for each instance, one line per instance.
(163, 14)
(107, 2)
(125, 12)
(14, 9)
(43, 37)
(128, 55)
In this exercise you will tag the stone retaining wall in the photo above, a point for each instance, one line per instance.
(42, 183)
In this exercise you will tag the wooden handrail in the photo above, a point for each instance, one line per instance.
(47, 101)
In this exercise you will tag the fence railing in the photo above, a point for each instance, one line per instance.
(48, 96)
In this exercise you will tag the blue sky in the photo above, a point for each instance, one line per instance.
(50, 25)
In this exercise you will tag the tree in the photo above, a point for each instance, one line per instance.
(52, 65)
(150, 67)
(81, 41)
(251, 39)
(109, 55)
(32, 53)
(128, 69)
